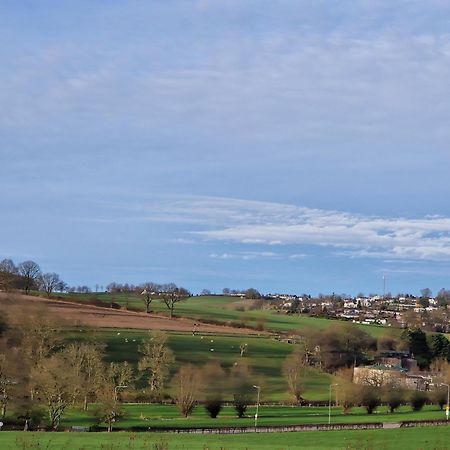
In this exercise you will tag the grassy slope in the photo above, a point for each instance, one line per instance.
(401, 439)
(265, 355)
(220, 308)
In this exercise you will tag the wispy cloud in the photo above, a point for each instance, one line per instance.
(246, 256)
(264, 223)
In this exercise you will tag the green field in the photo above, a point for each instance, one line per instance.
(399, 439)
(167, 416)
(265, 356)
(224, 309)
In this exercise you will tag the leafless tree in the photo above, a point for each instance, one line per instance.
(156, 360)
(86, 360)
(294, 372)
(186, 388)
(243, 348)
(8, 274)
(49, 282)
(119, 374)
(55, 385)
(148, 291)
(242, 386)
(29, 271)
(171, 295)
(212, 387)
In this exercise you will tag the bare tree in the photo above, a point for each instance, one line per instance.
(55, 385)
(294, 372)
(171, 295)
(8, 274)
(119, 374)
(212, 387)
(148, 290)
(40, 334)
(49, 282)
(5, 384)
(242, 387)
(243, 348)
(186, 389)
(86, 360)
(29, 271)
(109, 412)
(156, 360)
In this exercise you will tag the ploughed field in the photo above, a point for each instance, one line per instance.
(86, 315)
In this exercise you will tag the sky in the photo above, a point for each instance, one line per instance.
(290, 146)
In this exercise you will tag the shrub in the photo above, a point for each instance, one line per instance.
(440, 398)
(370, 399)
(213, 406)
(394, 399)
(418, 400)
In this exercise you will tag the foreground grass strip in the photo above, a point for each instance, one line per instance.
(411, 439)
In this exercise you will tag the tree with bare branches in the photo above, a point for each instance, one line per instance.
(156, 360)
(186, 387)
(294, 372)
(29, 271)
(56, 385)
(171, 294)
(50, 282)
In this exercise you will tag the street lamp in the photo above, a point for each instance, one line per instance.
(257, 404)
(115, 391)
(448, 399)
(329, 403)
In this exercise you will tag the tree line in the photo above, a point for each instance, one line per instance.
(28, 276)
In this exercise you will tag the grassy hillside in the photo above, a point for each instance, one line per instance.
(264, 354)
(225, 309)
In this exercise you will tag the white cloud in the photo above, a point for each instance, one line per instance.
(264, 223)
(244, 255)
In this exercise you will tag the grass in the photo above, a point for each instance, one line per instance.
(167, 416)
(265, 355)
(398, 439)
(223, 309)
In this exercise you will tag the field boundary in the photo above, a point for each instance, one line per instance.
(307, 427)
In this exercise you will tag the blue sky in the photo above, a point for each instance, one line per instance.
(291, 146)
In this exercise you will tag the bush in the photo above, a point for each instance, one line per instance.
(213, 407)
(394, 399)
(440, 398)
(240, 405)
(370, 399)
(418, 400)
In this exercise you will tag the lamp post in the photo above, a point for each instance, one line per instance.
(115, 391)
(257, 404)
(448, 400)
(329, 403)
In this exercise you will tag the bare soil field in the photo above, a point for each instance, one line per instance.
(75, 314)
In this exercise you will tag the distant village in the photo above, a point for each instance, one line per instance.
(404, 311)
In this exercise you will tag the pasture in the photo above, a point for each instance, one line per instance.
(265, 355)
(398, 439)
(144, 416)
(226, 310)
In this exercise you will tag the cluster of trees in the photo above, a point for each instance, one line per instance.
(27, 276)
(345, 346)
(41, 374)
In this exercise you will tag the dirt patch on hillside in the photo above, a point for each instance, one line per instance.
(76, 314)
